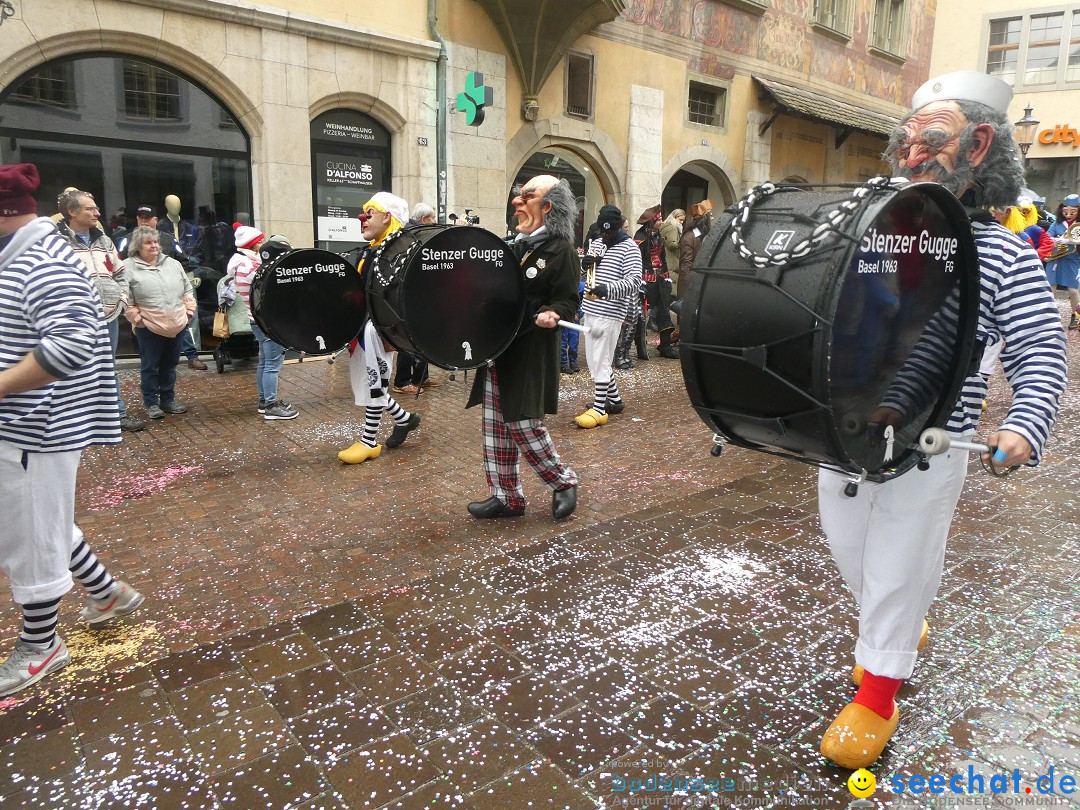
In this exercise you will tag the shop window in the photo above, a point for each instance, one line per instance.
(887, 28)
(1072, 69)
(579, 85)
(1003, 49)
(705, 104)
(835, 15)
(53, 85)
(151, 93)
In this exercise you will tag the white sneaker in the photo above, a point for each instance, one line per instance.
(27, 665)
(124, 600)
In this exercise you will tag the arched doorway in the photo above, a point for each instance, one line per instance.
(567, 165)
(350, 162)
(693, 182)
(132, 131)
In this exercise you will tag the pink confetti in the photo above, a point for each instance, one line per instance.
(139, 486)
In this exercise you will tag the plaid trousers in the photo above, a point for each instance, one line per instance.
(505, 441)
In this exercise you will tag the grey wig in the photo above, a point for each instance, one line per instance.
(997, 180)
(563, 214)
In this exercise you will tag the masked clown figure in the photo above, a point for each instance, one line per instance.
(889, 539)
(370, 361)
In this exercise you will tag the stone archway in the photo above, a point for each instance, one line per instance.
(710, 163)
(593, 145)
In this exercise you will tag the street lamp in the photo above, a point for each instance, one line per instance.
(1025, 131)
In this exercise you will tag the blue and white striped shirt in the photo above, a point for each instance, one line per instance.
(1017, 306)
(49, 307)
(619, 268)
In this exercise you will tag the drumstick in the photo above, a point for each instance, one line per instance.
(577, 327)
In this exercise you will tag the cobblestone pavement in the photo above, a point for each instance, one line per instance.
(323, 636)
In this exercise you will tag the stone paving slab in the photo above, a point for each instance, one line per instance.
(322, 636)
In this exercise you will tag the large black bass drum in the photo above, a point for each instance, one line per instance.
(833, 325)
(450, 294)
(309, 300)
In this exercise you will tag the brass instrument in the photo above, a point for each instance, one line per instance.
(590, 273)
(1073, 235)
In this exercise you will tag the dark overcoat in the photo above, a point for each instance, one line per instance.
(528, 370)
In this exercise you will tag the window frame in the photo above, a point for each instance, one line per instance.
(892, 48)
(1069, 39)
(843, 15)
(70, 105)
(723, 93)
(591, 57)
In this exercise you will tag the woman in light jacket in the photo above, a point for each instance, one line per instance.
(162, 302)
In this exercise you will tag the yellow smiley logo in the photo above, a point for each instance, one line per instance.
(861, 783)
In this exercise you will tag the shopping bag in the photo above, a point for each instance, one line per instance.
(221, 324)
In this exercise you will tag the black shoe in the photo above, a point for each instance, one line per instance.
(618, 406)
(493, 508)
(173, 407)
(642, 355)
(574, 368)
(565, 369)
(669, 352)
(401, 432)
(623, 365)
(1073, 322)
(131, 423)
(563, 503)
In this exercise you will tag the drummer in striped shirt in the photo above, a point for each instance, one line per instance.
(615, 281)
(889, 539)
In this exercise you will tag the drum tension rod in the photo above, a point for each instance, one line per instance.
(718, 445)
(851, 488)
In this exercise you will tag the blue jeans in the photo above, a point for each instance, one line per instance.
(158, 356)
(271, 359)
(114, 340)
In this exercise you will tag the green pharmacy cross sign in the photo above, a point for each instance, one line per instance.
(474, 99)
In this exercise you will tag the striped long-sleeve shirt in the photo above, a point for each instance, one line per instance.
(49, 307)
(243, 266)
(1017, 306)
(619, 268)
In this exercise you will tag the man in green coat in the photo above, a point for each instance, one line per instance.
(522, 384)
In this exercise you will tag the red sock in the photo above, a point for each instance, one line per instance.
(878, 694)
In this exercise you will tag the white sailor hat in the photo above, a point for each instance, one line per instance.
(965, 85)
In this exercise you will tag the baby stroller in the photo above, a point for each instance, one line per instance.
(241, 343)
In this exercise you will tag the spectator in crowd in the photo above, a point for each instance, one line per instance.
(162, 303)
(671, 232)
(654, 271)
(693, 236)
(57, 397)
(242, 267)
(97, 251)
(1063, 271)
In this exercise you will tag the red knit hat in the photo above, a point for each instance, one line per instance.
(17, 186)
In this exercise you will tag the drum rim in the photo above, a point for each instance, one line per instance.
(938, 416)
(262, 272)
(402, 305)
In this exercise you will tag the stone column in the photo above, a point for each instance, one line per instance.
(757, 157)
(645, 151)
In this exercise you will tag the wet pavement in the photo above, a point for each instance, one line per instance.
(322, 636)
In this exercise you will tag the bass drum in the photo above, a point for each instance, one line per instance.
(452, 295)
(833, 325)
(309, 300)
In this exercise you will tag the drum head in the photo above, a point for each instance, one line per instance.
(309, 300)
(453, 295)
(802, 359)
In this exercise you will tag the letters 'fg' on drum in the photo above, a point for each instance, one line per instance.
(843, 356)
(309, 301)
(453, 295)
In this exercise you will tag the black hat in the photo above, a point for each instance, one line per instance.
(145, 211)
(609, 217)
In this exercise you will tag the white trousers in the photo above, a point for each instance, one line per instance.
(369, 365)
(889, 544)
(38, 531)
(600, 343)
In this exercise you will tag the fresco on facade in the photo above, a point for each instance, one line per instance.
(782, 36)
